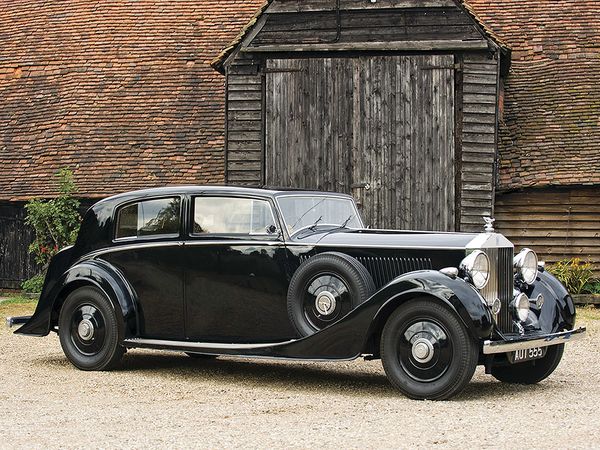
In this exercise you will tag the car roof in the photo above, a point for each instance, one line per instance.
(223, 189)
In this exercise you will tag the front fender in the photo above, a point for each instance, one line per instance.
(454, 292)
(353, 335)
(96, 273)
(558, 312)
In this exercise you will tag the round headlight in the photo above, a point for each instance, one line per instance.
(526, 265)
(521, 305)
(477, 267)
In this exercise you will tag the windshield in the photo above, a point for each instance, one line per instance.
(302, 212)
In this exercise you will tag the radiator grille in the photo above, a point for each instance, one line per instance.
(383, 270)
(500, 284)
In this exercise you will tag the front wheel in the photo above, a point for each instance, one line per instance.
(530, 372)
(427, 352)
(88, 330)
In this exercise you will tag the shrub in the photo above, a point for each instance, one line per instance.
(55, 222)
(593, 287)
(574, 273)
(34, 284)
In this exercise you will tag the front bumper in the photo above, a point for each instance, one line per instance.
(526, 342)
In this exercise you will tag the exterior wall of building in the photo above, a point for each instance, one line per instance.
(308, 30)
(16, 264)
(557, 223)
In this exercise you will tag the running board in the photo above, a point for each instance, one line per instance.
(200, 347)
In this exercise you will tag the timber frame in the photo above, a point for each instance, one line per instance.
(288, 29)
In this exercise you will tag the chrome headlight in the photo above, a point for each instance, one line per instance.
(526, 265)
(521, 306)
(477, 267)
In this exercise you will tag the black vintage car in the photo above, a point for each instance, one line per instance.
(294, 274)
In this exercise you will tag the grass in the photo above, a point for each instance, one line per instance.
(16, 306)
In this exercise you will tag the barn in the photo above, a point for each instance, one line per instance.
(432, 113)
(392, 101)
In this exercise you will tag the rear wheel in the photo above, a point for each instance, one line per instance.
(530, 372)
(88, 330)
(426, 351)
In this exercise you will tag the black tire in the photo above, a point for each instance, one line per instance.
(446, 364)
(99, 349)
(530, 372)
(334, 282)
(200, 355)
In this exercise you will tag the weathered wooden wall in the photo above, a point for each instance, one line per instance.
(556, 223)
(244, 126)
(478, 90)
(340, 124)
(16, 264)
(292, 29)
(286, 26)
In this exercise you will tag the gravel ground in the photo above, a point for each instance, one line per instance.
(162, 399)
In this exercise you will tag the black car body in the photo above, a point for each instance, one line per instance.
(223, 271)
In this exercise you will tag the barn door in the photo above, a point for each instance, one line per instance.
(381, 128)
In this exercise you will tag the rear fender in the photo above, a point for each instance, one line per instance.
(96, 273)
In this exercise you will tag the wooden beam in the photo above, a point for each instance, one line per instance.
(371, 46)
(329, 5)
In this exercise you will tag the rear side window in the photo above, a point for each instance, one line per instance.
(222, 215)
(149, 218)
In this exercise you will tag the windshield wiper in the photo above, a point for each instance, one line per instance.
(314, 225)
(309, 210)
(343, 225)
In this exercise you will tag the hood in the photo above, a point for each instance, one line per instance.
(401, 239)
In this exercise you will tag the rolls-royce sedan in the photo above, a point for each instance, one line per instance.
(290, 274)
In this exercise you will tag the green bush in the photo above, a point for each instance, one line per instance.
(34, 284)
(575, 274)
(592, 287)
(55, 222)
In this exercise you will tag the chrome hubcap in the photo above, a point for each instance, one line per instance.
(422, 350)
(325, 303)
(85, 329)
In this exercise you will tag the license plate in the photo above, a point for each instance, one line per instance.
(527, 354)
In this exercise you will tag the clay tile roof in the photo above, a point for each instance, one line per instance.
(550, 134)
(120, 92)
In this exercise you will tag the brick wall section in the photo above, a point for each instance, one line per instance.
(120, 92)
(550, 134)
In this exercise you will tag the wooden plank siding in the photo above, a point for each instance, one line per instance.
(556, 223)
(366, 26)
(244, 123)
(370, 119)
(16, 264)
(478, 143)
(340, 124)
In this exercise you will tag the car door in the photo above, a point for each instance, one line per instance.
(236, 274)
(149, 253)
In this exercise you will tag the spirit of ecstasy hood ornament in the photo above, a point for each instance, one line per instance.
(489, 224)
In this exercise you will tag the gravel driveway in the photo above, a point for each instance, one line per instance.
(161, 399)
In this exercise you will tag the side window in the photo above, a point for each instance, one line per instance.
(221, 215)
(149, 218)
